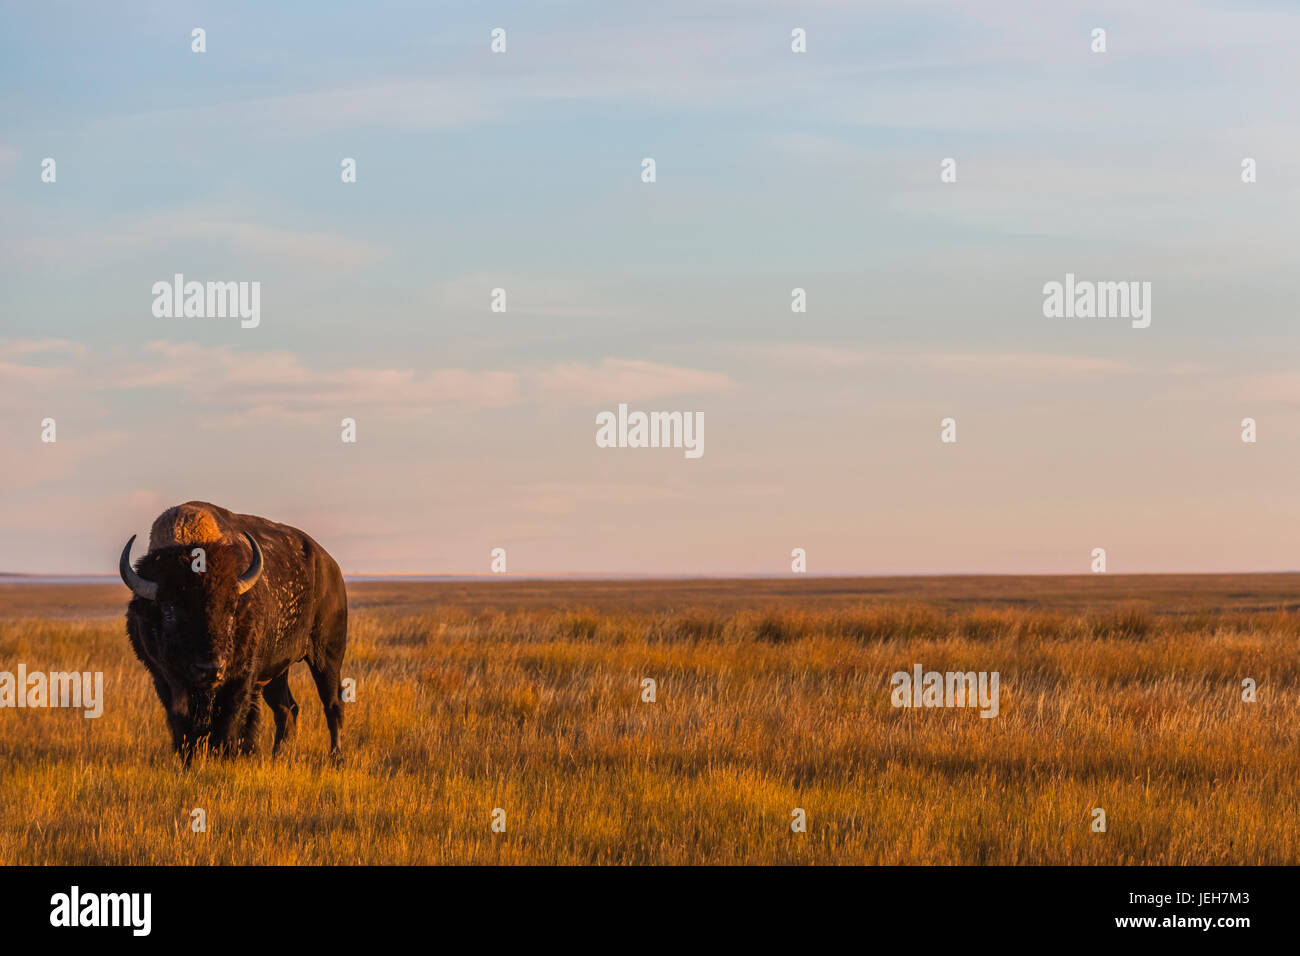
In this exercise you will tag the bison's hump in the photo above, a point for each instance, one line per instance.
(189, 523)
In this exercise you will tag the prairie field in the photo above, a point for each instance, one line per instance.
(1123, 694)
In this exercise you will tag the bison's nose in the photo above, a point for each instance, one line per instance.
(206, 672)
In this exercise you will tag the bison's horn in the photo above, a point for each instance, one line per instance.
(249, 577)
(138, 585)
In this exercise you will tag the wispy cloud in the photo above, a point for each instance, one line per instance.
(278, 383)
(818, 358)
(543, 296)
(166, 228)
(627, 380)
(1282, 387)
(395, 103)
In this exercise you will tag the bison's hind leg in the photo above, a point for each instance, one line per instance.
(326, 662)
(327, 685)
(283, 707)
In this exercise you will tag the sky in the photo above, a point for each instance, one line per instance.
(774, 170)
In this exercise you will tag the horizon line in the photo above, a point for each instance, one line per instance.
(434, 577)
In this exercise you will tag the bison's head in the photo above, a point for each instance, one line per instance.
(191, 615)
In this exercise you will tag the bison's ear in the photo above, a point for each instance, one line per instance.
(141, 588)
(249, 577)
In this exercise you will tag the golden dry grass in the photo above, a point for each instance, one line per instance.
(509, 696)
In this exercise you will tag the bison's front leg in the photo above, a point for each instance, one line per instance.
(234, 720)
(177, 711)
(283, 707)
(184, 736)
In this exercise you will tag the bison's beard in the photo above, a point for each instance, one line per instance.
(202, 703)
(221, 718)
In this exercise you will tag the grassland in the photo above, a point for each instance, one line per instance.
(1116, 692)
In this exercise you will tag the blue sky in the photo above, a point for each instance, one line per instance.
(775, 170)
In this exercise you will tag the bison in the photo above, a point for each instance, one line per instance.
(215, 628)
